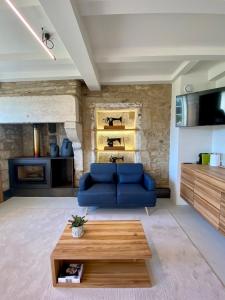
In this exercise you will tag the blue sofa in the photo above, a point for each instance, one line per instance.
(117, 185)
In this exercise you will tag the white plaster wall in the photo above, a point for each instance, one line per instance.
(38, 109)
(193, 141)
(187, 143)
(174, 146)
(218, 136)
(218, 141)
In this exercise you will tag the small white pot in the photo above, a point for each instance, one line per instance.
(77, 232)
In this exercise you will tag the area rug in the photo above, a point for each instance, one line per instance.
(28, 233)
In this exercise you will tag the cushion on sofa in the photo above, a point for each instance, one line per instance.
(103, 168)
(129, 168)
(130, 178)
(102, 177)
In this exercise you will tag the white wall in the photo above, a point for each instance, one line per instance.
(194, 141)
(218, 141)
(174, 145)
(186, 143)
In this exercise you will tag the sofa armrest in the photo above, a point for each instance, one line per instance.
(85, 182)
(149, 182)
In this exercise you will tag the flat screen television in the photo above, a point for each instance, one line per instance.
(201, 108)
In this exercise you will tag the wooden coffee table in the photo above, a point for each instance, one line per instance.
(114, 254)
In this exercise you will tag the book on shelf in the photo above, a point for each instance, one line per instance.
(71, 273)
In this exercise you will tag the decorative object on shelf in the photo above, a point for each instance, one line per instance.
(111, 146)
(113, 159)
(77, 225)
(111, 120)
(66, 149)
(215, 159)
(71, 273)
(110, 141)
(54, 150)
(204, 158)
(36, 140)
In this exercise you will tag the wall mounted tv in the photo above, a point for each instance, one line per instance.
(201, 108)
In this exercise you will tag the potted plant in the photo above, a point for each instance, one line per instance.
(77, 225)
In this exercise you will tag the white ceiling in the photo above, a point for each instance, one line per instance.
(21, 57)
(114, 41)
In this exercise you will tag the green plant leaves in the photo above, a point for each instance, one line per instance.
(77, 221)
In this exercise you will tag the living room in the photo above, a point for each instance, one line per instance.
(112, 123)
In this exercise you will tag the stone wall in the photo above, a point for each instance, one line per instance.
(60, 90)
(40, 88)
(10, 146)
(155, 101)
(45, 138)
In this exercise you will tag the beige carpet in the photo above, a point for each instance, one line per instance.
(29, 229)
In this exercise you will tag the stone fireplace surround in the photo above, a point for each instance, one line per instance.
(41, 109)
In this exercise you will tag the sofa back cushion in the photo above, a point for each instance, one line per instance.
(130, 173)
(130, 178)
(103, 173)
(130, 168)
(102, 177)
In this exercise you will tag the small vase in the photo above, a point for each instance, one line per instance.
(77, 232)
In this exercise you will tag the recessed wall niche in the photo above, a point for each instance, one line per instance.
(116, 135)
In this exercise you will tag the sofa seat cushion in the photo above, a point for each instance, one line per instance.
(134, 195)
(99, 194)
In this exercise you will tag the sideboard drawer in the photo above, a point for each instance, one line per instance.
(187, 179)
(208, 192)
(211, 180)
(187, 193)
(207, 210)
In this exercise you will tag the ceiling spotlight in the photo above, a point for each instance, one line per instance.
(14, 9)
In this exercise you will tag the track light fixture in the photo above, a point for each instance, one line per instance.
(26, 24)
(46, 39)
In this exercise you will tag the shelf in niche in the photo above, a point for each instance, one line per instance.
(107, 151)
(115, 127)
(122, 130)
(127, 132)
(114, 148)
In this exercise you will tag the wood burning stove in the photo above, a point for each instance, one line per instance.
(29, 172)
(42, 176)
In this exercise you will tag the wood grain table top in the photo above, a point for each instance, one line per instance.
(104, 240)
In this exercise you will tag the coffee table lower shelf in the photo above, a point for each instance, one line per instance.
(107, 274)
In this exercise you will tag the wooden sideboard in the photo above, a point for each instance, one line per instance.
(203, 187)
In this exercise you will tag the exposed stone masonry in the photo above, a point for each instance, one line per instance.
(47, 88)
(155, 101)
(10, 146)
